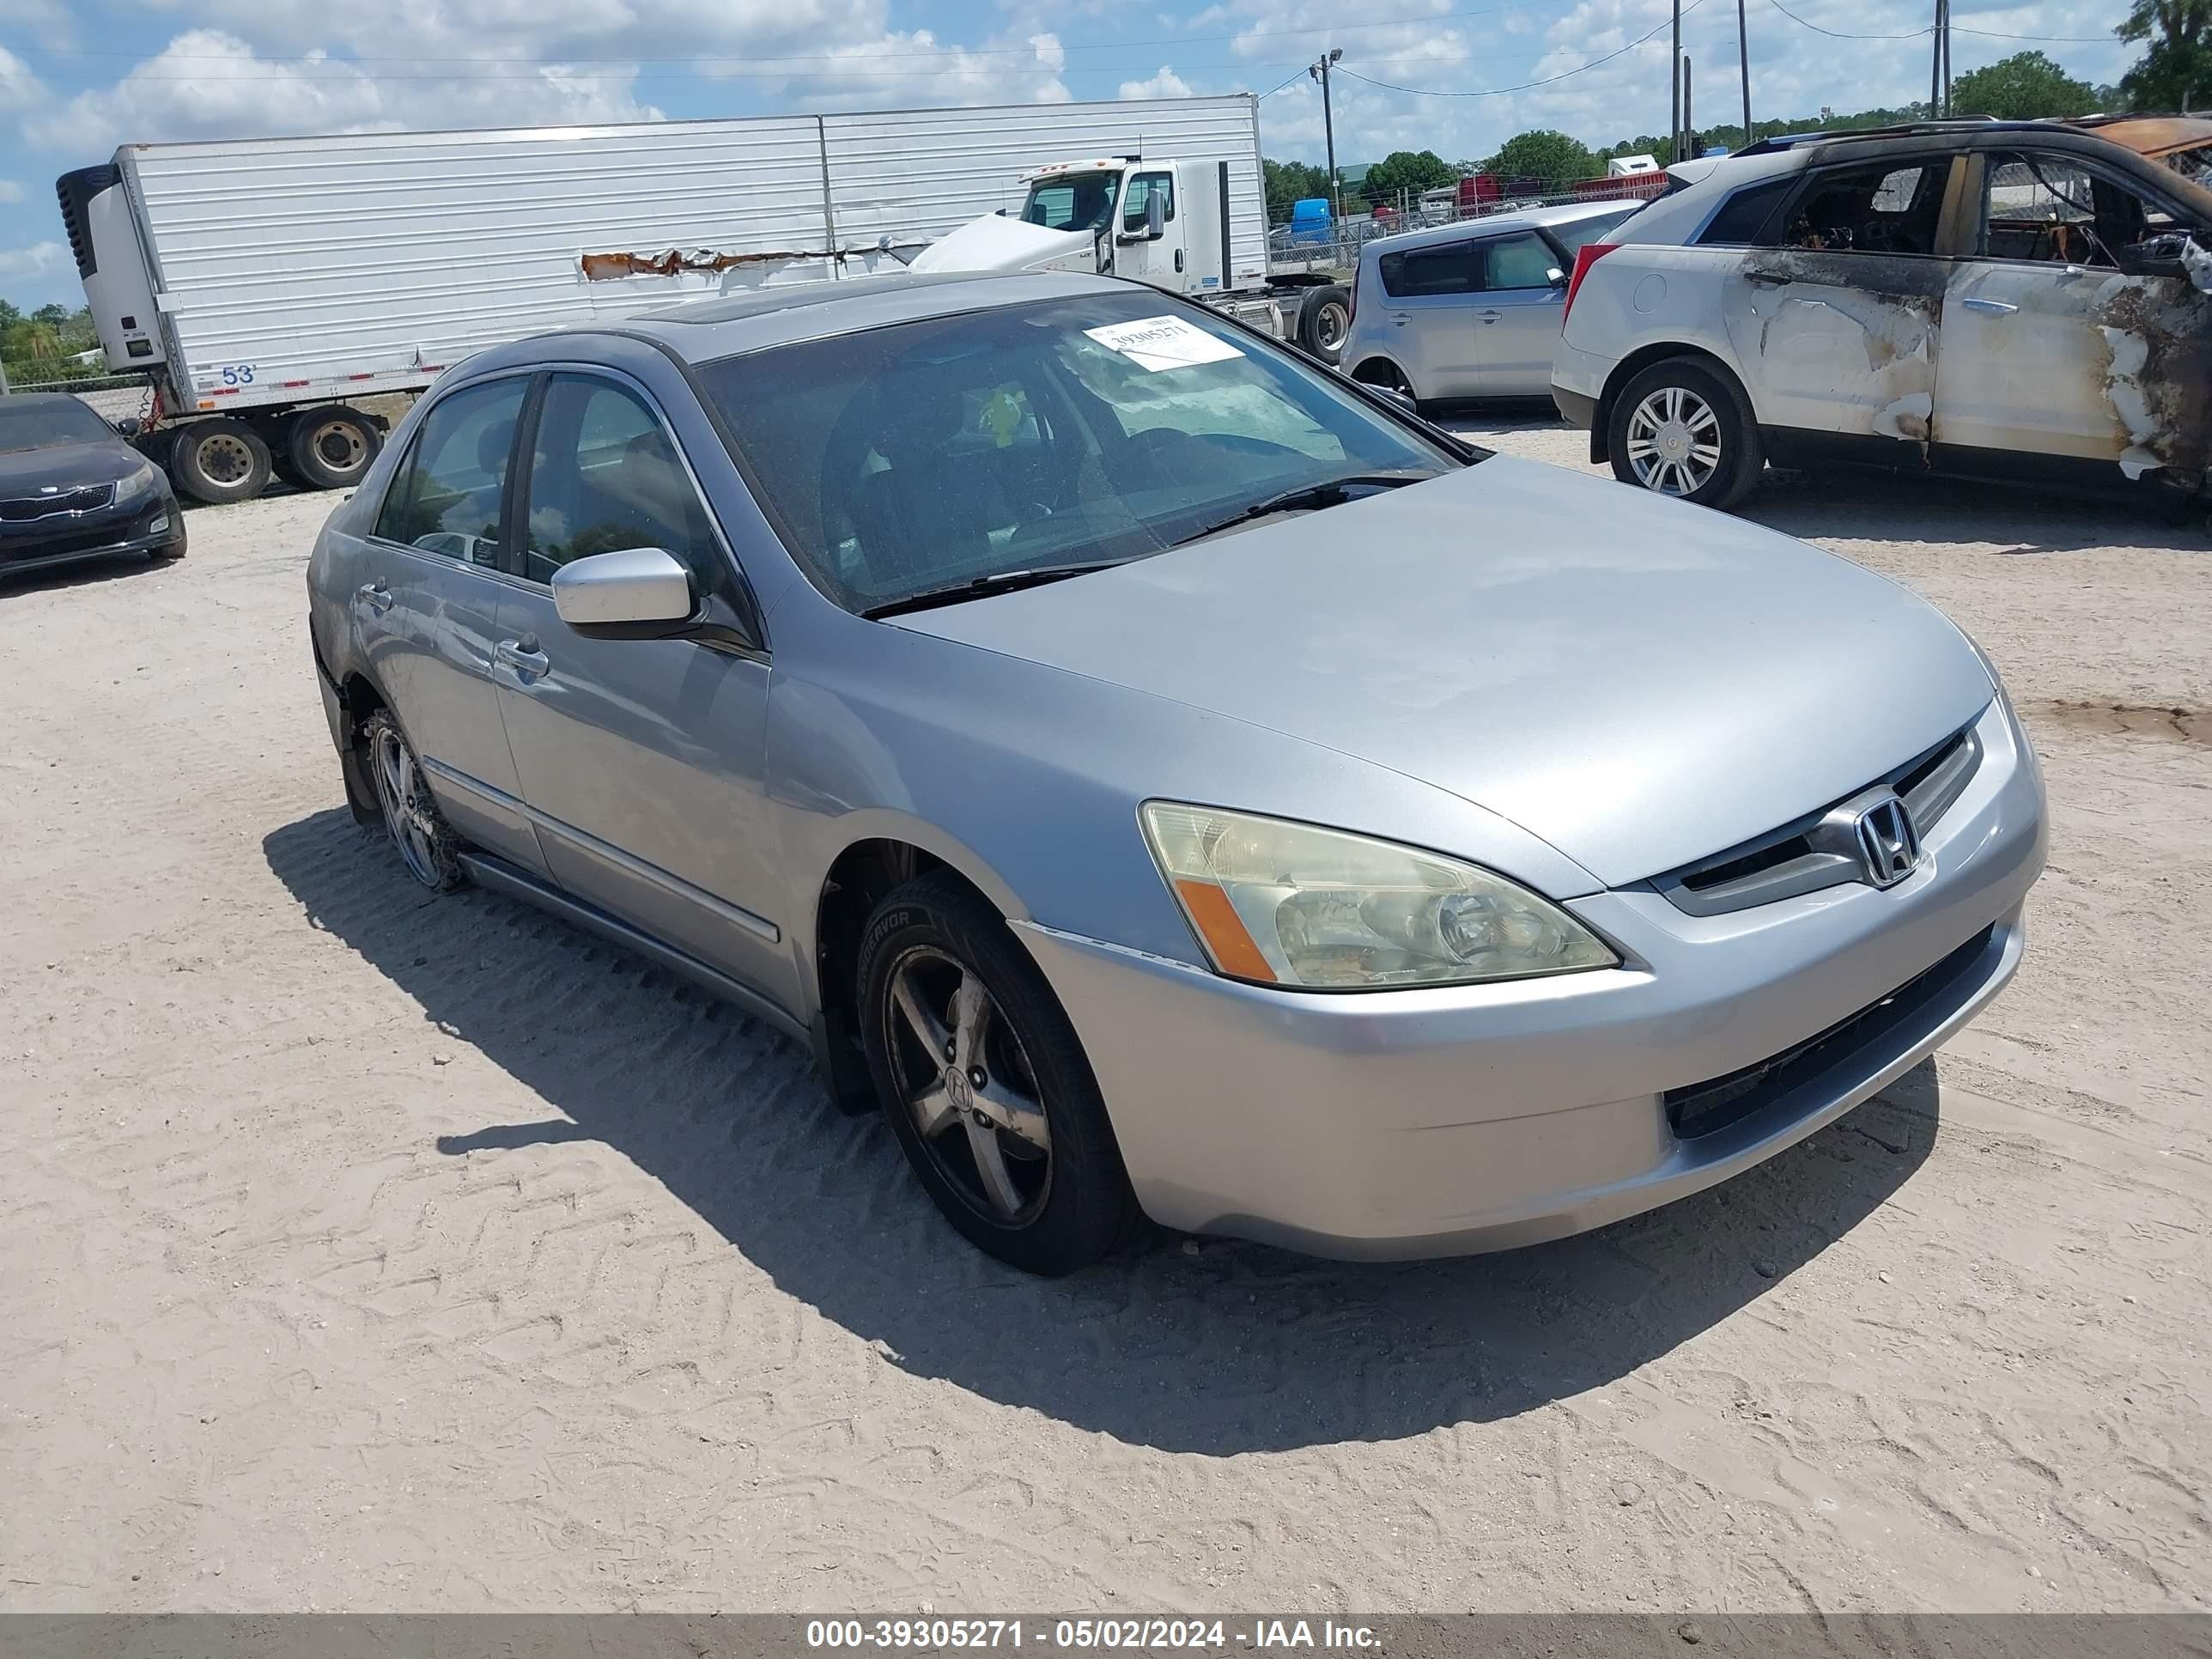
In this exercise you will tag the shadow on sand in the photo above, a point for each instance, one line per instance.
(1238, 1348)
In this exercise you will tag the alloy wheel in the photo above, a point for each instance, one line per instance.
(406, 803)
(966, 1082)
(1673, 441)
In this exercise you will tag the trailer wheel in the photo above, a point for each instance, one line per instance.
(219, 460)
(331, 445)
(1324, 319)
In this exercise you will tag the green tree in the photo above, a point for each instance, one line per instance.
(1291, 181)
(1407, 172)
(1544, 154)
(2175, 71)
(2022, 87)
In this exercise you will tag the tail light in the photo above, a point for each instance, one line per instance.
(1585, 255)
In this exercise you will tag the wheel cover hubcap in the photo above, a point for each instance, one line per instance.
(1673, 441)
(406, 805)
(966, 1086)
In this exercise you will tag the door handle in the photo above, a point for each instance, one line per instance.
(524, 657)
(1400, 320)
(1992, 307)
(375, 595)
(1490, 316)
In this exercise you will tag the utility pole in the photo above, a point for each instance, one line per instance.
(1936, 65)
(1319, 72)
(1743, 63)
(1689, 115)
(1946, 59)
(1674, 117)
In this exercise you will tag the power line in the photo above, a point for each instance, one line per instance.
(2059, 39)
(856, 70)
(1840, 34)
(1493, 92)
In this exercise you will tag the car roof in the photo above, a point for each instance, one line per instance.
(1565, 213)
(730, 325)
(46, 400)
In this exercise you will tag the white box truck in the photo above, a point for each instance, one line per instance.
(266, 286)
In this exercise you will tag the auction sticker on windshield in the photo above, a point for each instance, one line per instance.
(1157, 343)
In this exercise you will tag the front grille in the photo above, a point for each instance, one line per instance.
(1791, 860)
(1701, 1108)
(30, 508)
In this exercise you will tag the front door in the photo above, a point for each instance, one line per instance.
(642, 760)
(1834, 318)
(1518, 315)
(2061, 338)
(1137, 257)
(426, 615)
(1430, 294)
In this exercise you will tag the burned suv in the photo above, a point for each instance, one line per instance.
(1983, 297)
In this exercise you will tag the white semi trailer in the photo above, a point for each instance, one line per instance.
(266, 286)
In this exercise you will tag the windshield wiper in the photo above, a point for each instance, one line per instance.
(1331, 492)
(981, 587)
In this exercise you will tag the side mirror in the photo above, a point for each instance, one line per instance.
(1402, 399)
(129, 426)
(1556, 278)
(640, 592)
(1155, 215)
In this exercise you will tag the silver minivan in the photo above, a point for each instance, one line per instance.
(1470, 310)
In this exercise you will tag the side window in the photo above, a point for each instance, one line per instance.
(1142, 188)
(449, 496)
(606, 477)
(1525, 260)
(2051, 209)
(1446, 269)
(1742, 218)
(1882, 207)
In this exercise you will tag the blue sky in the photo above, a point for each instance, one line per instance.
(79, 76)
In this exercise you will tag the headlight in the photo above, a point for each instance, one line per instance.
(139, 483)
(1286, 903)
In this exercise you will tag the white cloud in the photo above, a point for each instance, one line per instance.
(206, 84)
(39, 259)
(10, 191)
(1050, 52)
(1166, 84)
(20, 89)
(923, 74)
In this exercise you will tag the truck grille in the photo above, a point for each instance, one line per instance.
(25, 509)
(1701, 1108)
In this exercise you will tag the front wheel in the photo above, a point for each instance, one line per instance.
(1682, 431)
(985, 1084)
(1324, 319)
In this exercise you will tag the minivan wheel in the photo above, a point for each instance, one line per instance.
(985, 1084)
(1682, 431)
(426, 844)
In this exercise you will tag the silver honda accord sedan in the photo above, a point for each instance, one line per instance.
(1166, 778)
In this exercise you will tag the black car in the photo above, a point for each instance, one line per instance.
(71, 488)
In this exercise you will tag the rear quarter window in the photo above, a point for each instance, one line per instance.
(1742, 219)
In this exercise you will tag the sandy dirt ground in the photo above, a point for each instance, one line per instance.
(366, 1251)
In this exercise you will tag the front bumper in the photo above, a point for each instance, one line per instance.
(1428, 1122)
(45, 543)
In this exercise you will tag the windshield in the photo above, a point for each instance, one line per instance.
(1072, 201)
(902, 460)
(33, 425)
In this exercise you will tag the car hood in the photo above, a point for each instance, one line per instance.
(26, 472)
(996, 242)
(1640, 683)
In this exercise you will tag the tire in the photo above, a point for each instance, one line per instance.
(219, 460)
(170, 552)
(1699, 440)
(428, 846)
(1025, 1166)
(1324, 320)
(331, 447)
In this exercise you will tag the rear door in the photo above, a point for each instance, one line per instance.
(643, 761)
(1517, 314)
(1833, 314)
(426, 615)
(2065, 334)
(1429, 293)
